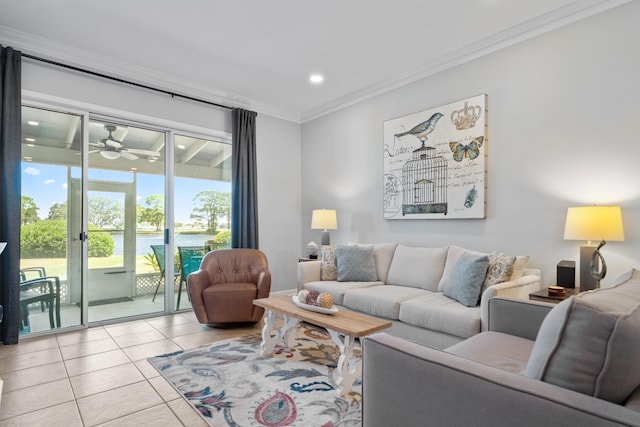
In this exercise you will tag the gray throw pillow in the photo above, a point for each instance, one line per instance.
(590, 343)
(466, 278)
(356, 264)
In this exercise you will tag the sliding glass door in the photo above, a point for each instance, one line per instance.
(97, 244)
(51, 262)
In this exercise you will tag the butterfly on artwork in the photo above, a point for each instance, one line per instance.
(470, 150)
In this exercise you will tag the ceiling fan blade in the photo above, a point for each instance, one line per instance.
(113, 143)
(124, 153)
(90, 152)
(142, 152)
(97, 144)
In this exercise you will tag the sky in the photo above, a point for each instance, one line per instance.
(47, 185)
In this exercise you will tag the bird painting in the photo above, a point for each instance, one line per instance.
(423, 129)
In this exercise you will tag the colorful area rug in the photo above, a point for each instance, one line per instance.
(231, 384)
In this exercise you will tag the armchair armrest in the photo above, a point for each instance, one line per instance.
(308, 271)
(263, 283)
(517, 317)
(406, 384)
(519, 288)
(196, 283)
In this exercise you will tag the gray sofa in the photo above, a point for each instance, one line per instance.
(407, 285)
(573, 364)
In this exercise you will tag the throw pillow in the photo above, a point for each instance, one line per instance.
(453, 254)
(355, 263)
(466, 279)
(519, 266)
(500, 269)
(328, 269)
(590, 343)
(417, 267)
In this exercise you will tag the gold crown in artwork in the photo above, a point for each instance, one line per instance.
(466, 117)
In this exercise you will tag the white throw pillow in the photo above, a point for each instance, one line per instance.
(417, 267)
(519, 266)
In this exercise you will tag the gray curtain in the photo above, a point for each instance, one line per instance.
(10, 152)
(244, 190)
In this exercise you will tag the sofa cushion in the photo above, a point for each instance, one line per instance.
(466, 279)
(337, 289)
(382, 301)
(355, 263)
(590, 343)
(437, 312)
(383, 255)
(328, 268)
(417, 267)
(503, 351)
(453, 253)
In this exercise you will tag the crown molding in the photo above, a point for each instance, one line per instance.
(50, 49)
(80, 58)
(573, 12)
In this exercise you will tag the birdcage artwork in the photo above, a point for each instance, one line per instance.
(424, 182)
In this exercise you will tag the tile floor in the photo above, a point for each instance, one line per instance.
(100, 376)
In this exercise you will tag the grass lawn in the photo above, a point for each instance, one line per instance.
(58, 266)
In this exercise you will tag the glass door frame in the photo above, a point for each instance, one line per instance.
(87, 112)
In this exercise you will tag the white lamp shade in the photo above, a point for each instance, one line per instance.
(594, 223)
(324, 219)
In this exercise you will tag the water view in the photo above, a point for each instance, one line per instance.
(144, 241)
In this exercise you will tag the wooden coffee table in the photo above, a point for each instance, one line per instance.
(343, 327)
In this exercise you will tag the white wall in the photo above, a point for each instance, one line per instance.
(564, 130)
(278, 150)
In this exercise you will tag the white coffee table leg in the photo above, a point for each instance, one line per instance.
(272, 337)
(349, 368)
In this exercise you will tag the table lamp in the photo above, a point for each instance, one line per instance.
(593, 223)
(324, 219)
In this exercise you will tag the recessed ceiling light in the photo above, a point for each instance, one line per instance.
(180, 146)
(27, 158)
(30, 139)
(152, 160)
(33, 123)
(31, 145)
(134, 169)
(316, 78)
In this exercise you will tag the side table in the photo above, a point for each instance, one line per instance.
(543, 295)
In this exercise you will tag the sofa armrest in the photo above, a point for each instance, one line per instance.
(519, 288)
(308, 271)
(517, 317)
(406, 384)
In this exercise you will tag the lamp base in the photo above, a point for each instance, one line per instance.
(324, 240)
(587, 281)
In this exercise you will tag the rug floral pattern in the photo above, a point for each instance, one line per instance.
(231, 384)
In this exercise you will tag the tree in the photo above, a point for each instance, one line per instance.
(153, 211)
(211, 207)
(28, 210)
(58, 211)
(105, 212)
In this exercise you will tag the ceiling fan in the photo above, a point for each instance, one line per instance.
(110, 148)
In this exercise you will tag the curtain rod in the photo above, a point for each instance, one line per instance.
(119, 80)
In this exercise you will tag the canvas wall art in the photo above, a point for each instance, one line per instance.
(435, 162)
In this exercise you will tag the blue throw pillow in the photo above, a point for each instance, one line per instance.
(466, 279)
(356, 264)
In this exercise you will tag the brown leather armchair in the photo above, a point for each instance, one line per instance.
(223, 289)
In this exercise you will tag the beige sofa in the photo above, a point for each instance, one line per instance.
(573, 364)
(409, 286)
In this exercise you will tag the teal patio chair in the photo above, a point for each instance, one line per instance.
(190, 259)
(158, 252)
